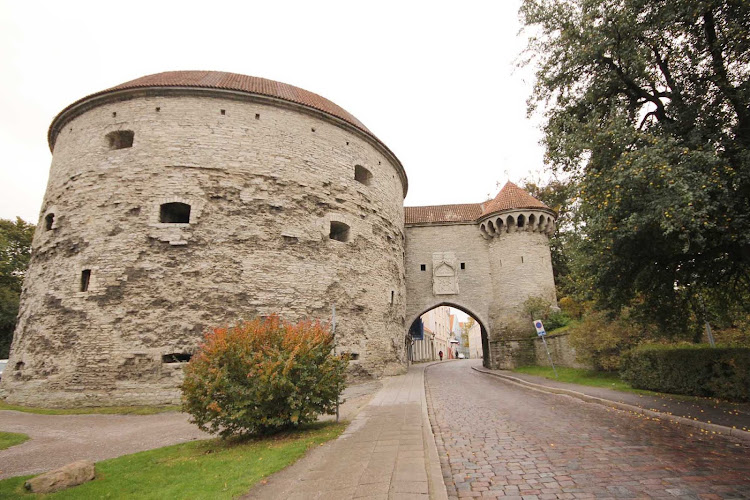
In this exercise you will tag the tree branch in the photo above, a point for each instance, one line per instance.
(636, 90)
(722, 79)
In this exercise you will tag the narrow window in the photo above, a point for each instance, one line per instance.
(423, 267)
(120, 139)
(20, 365)
(49, 220)
(393, 293)
(521, 220)
(174, 213)
(176, 357)
(85, 279)
(223, 111)
(339, 231)
(463, 265)
(362, 175)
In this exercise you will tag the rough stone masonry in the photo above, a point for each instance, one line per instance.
(190, 199)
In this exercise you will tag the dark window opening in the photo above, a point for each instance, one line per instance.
(85, 279)
(393, 294)
(521, 221)
(351, 355)
(223, 111)
(158, 109)
(174, 213)
(423, 267)
(257, 116)
(313, 129)
(463, 265)
(176, 357)
(120, 139)
(361, 174)
(339, 231)
(20, 365)
(49, 220)
(521, 259)
(114, 114)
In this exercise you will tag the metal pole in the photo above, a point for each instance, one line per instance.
(549, 356)
(333, 331)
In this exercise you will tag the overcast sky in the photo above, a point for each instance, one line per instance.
(434, 81)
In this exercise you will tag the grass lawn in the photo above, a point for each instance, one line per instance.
(198, 469)
(582, 377)
(8, 439)
(108, 410)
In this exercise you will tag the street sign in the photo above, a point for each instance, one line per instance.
(539, 328)
(540, 331)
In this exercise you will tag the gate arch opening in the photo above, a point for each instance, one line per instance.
(421, 348)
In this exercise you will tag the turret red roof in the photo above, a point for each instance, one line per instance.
(510, 197)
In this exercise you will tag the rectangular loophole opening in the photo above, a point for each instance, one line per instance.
(463, 265)
(423, 267)
(339, 231)
(85, 280)
(176, 357)
(174, 213)
(120, 139)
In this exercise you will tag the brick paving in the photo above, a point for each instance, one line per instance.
(498, 440)
(386, 453)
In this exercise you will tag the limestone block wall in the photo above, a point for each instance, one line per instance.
(560, 350)
(264, 182)
(474, 281)
(522, 268)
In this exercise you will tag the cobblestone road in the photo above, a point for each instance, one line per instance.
(497, 440)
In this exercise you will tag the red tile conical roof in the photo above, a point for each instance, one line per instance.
(510, 197)
(241, 83)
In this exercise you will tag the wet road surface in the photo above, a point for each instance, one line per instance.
(498, 440)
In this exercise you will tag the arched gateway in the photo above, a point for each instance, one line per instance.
(484, 258)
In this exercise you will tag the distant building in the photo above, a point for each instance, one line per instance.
(475, 340)
(435, 338)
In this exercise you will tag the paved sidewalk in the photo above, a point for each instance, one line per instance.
(711, 415)
(387, 452)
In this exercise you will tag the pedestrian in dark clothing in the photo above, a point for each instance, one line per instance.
(441, 355)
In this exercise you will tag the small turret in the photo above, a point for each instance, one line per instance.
(515, 210)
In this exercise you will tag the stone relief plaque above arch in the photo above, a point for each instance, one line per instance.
(444, 276)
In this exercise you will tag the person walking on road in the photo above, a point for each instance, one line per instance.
(441, 355)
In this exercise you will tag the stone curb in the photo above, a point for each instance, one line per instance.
(437, 488)
(713, 428)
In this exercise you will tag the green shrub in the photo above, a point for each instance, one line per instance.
(696, 370)
(262, 376)
(600, 341)
(556, 320)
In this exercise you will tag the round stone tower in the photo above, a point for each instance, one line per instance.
(191, 199)
(517, 227)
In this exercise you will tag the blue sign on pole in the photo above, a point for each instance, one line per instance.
(539, 328)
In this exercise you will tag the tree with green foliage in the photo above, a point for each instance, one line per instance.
(647, 107)
(15, 252)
